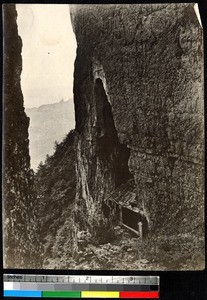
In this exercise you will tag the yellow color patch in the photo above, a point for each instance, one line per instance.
(99, 294)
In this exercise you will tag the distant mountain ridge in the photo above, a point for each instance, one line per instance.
(48, 123)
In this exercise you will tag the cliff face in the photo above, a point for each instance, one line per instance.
(138, 91)
(20, 244)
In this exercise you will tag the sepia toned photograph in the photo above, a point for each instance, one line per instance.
(103, 137)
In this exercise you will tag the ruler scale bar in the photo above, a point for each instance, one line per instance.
(81, 286)
(83, 279)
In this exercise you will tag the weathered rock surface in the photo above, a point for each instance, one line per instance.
(138, 92)
(20, 228)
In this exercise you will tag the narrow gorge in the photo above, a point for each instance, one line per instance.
(135, 156)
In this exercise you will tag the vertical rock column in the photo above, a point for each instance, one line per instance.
(145, 62)
(19, 222)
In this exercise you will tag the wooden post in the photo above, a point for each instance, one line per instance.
(140, 229)
(121, 219)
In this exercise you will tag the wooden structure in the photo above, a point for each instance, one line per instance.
(122, 205)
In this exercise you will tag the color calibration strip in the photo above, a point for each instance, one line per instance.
(58, 286)
(83, 294)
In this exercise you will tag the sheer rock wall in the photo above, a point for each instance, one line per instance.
(138, 92)
(20, 227)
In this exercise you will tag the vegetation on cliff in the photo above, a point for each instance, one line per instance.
(55, 184)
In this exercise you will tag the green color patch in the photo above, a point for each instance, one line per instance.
(61, 294)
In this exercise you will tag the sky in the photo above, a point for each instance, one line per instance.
(48, 53)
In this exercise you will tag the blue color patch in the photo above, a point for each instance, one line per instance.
(13, 293)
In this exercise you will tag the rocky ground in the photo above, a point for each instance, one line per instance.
(128, 252)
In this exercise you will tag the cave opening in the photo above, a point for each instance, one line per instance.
(109, 147)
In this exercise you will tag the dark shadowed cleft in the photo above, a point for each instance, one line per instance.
(108, 145)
